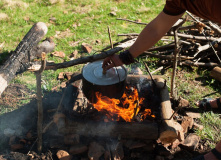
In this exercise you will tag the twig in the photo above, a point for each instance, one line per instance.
(189, 63)
(167, 57)
(110, 38)
(39, 101)
(205, 36)
(131, 21)
(158, 69)
(174, 64)
(215, 27)
(148, 70)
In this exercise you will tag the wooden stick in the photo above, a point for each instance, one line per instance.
(199, 64)
(207, 46)
(132, 21)
(215, 27)
(167, 57)
(176, 52)
(158, 69)
(92, 58)
(39, 101)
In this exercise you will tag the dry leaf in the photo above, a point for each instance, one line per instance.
(58, 54)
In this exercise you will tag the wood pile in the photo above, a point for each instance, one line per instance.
(198, 43)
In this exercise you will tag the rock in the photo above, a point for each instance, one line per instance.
(187, 123)
(68, 75)
(113, 13)
(162, 151)
(136, 71)
(191, 142)
(197, 126)
(16, 147)
(71, 139)
(86, 47)
(193, 114)
(78, 149)
(74, 54)
(61, 76)
(95, 151)
(132, 144)
(63, 155)
(183, 102)
(159, 158)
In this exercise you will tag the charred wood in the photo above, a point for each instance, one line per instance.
(92, 58)
(9, 69)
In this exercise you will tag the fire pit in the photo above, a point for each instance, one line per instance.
(111, 122)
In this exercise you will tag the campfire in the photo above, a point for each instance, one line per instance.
(139, 119)
(127, 107)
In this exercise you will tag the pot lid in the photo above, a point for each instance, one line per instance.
(93, 72)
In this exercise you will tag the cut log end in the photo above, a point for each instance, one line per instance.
(42, 26)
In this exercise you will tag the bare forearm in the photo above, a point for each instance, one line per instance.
(152, 33)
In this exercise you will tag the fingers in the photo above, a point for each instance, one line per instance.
(109, 66)
(106, 62)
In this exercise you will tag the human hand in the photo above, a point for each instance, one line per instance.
(112, 61)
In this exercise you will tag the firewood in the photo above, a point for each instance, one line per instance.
(39, 101)
(175, 61)
(167, 57)
(144, 130)
(189, 63)
(216, 73)
(11, 66)
(92, 58)
(215, 27)
(167, 131)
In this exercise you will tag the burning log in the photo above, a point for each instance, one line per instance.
(167, 127)
(13, 64)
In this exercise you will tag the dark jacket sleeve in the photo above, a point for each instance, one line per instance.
(173, 8)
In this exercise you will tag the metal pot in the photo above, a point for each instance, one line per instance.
(111, 84)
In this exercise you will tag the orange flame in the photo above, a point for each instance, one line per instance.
(129, 102)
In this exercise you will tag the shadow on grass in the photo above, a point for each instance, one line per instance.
(4, 56)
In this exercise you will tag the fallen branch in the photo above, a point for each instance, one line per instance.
(92, 58)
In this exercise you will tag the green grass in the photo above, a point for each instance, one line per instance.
(87, 21)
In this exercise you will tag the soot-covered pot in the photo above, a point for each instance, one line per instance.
(111, 84)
